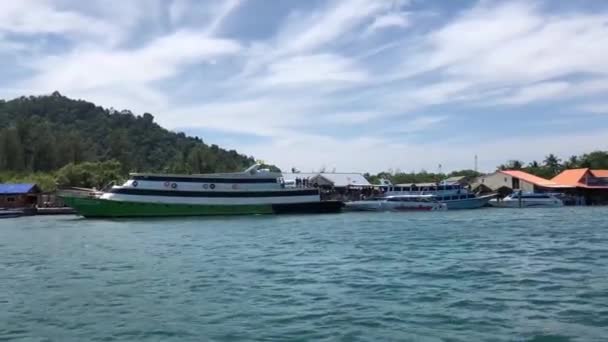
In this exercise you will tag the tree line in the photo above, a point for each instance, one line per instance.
(547, 168)
(552, 165)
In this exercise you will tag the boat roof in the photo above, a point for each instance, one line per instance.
(410, 196)
(258, 174)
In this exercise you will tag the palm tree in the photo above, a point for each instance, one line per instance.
(512, 165)
(552, 163)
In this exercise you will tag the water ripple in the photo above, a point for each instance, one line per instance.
(492, 275)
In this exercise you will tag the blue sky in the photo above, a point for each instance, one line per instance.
(351, 85)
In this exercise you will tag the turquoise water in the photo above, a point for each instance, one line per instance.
(491, 275)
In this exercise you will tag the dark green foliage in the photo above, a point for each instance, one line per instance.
(398, 177)
(45, 181)
(90, 174)
(594, 160)
(46, 133)
(512, 165)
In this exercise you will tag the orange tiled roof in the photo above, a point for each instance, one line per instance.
(530, 178)
(600, 173)
(570, 177)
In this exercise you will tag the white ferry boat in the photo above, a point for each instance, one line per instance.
(397, 203)
(253, 191)
(520, 199)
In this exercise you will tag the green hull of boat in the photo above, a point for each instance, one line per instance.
(94, 207)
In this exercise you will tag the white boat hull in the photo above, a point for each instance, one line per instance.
(394, 206)
(526, 203)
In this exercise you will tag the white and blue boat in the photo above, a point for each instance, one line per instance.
(520, 199)
(455, 196)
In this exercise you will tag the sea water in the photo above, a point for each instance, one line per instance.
(478, 275)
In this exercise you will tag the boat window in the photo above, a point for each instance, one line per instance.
(535, 196)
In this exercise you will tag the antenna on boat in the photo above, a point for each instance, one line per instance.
(475, 163)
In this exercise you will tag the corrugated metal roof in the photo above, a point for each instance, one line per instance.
(292, 176)
(345, 179)
(7, 189)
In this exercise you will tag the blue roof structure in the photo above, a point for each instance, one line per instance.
(13, 189)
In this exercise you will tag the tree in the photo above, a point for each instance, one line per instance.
(572, 163)
(11, 151)
(90, 174)
(120, 148)
(552, 163)
(595, 160)
(512, 165)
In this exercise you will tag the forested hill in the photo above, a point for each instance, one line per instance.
(44, 133)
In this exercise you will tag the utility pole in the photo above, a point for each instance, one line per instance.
(475, 163)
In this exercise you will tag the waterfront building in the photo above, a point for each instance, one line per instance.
(579, 186)
(18, 195)
(506, 181)
(592, 185)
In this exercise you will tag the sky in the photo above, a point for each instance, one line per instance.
(345, 85)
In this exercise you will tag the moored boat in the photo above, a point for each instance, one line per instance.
(520, 199)
(253, 191)
(398, 203)
(455, 196)
(11, 213)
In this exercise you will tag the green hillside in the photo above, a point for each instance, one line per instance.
(42, 134)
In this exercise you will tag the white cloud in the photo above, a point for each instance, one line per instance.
(329, 24)
(390, 20)
(304, 70)
(536, 92)
(160, 59)
(353, 117)
(40, 16)
(515, 42)
(223, 11)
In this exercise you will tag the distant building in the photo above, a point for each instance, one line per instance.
(591, 184)
(18, 195)
(341, 180)
(505, 181)
(584, 186)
